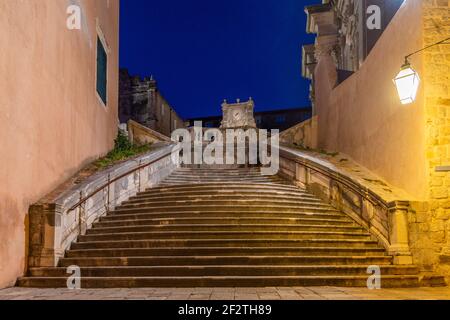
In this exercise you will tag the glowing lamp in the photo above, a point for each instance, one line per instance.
(407, 82)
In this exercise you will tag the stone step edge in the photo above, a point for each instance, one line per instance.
(237, 248)
(323, 207)
(236, 240)
(218, 202)
(235, 232)
(231, 266)
(229, 218)
(215, 214)
(163, 226)
(228, 185)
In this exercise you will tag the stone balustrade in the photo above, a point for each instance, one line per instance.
(56, 221)
(384, 216)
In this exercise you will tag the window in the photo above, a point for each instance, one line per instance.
(162, 109)
(175, 124)
(102, 71)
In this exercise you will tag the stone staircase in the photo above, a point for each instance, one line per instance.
(233, 228)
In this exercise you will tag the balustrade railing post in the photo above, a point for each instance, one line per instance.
(108, 191)
(398, 232)
(80, 208)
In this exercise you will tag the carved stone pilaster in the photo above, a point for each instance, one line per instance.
(348, 24)
(45, 224)
(398, 232)
(325, 46)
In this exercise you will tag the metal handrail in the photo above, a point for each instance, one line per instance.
(110, 181)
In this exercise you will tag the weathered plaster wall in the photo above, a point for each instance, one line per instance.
(302, 135)
(363, 117)
(51, 121)
(167, 118)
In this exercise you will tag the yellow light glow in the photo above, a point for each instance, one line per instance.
(407, 82)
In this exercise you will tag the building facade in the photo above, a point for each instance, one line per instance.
(141, 100)
(59, 101)
(350, 29)
(358, 112)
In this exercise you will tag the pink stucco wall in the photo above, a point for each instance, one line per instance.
(363, 117)
(51, 120)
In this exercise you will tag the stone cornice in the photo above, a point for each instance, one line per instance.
(320, 19)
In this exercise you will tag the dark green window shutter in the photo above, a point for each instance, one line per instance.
(102, 67)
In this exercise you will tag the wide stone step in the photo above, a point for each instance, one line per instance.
(237, 175)
(216, 178)
(224, 202)
(225, 260)
(224, 251)
(202, 281)
(231, 178)
(221, 175)
(220, 196)
(222, 214)
(224, 193)
(220, 170)
(229, 243)
(193, 183)
(268, 235)
(236, 187)
(227, 220)
(211, 179)
(254, 227)
(237, 207)
(196, 168)
(225, 270)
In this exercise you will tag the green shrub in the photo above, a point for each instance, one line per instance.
(123, 149)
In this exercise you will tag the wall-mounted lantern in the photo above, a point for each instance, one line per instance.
(407, 81)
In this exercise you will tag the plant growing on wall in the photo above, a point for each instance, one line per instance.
(123, 150)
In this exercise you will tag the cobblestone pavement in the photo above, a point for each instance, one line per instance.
(284, 293)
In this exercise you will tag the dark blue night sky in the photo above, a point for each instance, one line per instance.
(203, 51)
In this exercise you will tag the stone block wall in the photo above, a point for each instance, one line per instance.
(431, 224)
(142, 101)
